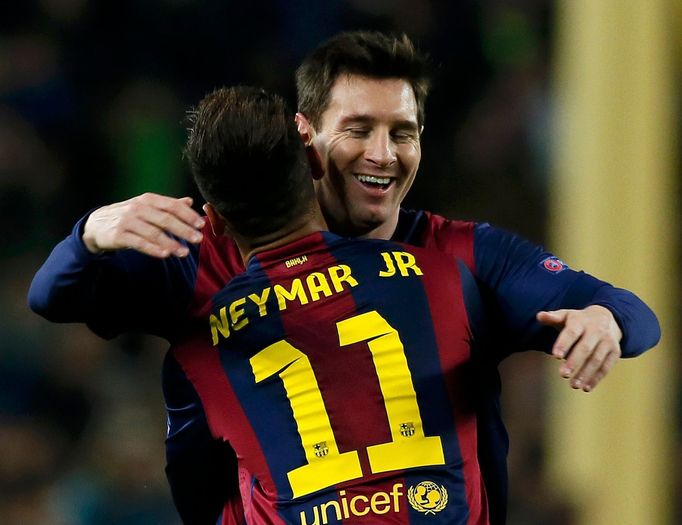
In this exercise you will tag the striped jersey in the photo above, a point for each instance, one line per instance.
(339, 373)
(126, 291)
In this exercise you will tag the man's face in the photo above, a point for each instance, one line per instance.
(368, 139)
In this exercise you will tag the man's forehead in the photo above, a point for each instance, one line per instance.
(358, 97)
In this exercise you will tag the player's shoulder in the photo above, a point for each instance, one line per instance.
(432, 231)
(218, 261)
(444, 230)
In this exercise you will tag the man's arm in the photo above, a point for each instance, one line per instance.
(91, 277)
(545, 305)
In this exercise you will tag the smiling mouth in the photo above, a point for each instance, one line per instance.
(371, 181)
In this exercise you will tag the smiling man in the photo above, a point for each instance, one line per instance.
(369, 138)
(361, 112)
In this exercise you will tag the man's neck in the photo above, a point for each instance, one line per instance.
(306, 226)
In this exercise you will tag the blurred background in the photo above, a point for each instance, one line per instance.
(543, 114)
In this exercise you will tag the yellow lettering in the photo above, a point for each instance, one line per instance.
(317, 283)
(259, 300)
(316, 517)
(303, 392)
(396, 496)
(378, 503)
(296, 292)
(219, 326)
(340, 274)
(236, 312)
(355, 510)
(390, 268)
(344, 503)
(380, 498)
(406, 262)
(323, 510)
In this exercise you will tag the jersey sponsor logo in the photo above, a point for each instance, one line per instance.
(344, 506)
(296, 260)
(427, 497)
(553, 264)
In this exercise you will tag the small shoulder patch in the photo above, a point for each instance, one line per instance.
(553, 264)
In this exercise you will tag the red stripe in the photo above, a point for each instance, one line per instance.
(219, 262)
(226, 420)
(312, 329)
(451, 237)
(442, 284)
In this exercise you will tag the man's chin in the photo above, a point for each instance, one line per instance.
(365, 222)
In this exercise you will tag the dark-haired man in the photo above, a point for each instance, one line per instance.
(361, 99)
(333, 369)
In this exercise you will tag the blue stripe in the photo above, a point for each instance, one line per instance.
(265, 404)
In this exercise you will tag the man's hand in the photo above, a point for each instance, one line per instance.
(589, 339)
(144, 223)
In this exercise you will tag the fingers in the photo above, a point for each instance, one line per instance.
(153, 240)
(610, 360)
(589, 340)
(555, 318)
(168, 222)
(175, 216)
(151, 248)
(570, 334)
(597, 360)
(148, 223)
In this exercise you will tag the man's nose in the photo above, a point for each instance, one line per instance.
(381, 150)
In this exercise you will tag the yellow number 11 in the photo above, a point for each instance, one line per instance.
(325, 465)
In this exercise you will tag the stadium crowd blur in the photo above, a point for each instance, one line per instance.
(92, 98)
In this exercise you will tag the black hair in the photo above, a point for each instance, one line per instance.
(248, 159)
(366, 53)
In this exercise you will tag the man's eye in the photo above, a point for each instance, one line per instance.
(358, 132)
(401, 136)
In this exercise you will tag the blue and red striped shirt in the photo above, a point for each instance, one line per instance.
(512, 279)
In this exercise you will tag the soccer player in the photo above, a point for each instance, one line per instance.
(361, 99)
(338, 369)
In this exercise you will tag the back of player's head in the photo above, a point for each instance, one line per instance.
(365, 53)
(248, 159)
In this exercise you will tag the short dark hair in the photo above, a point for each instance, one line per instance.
(366, 53)
(248, 159)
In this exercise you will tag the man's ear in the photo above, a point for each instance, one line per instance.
(316, 169)
(305, 129)
(218, 223)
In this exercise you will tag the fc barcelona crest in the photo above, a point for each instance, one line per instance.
(407, 429)
(321, 449)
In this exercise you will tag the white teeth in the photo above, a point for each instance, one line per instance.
(373, 180)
